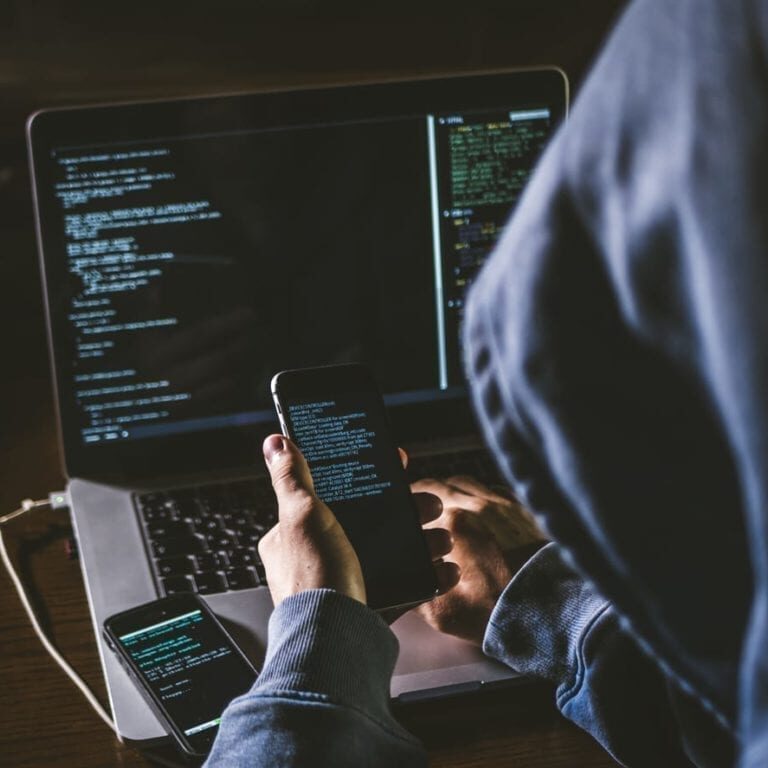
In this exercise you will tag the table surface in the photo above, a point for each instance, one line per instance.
(47, 722)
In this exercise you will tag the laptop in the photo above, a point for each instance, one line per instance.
(192, 248)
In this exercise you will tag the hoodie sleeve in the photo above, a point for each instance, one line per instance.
(322, 698)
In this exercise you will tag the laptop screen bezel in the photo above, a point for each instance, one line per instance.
(236, 448)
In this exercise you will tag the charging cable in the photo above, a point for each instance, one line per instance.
(27, 505)
(59, 501)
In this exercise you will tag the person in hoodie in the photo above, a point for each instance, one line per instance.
(617, 352)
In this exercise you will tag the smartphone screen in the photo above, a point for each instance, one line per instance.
(337, 418)
(187, 663)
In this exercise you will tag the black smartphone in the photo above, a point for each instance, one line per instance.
(337, 418)
(185, 664)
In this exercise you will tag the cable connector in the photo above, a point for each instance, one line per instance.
(58, 499)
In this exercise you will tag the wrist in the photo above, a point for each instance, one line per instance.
(539, 618)
(517, 558)
(325, 642)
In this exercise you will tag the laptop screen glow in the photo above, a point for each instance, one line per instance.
(190, 264)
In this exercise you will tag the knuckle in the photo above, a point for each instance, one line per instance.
(299, 508)
(304, 503)
(453, 516)
(440, 613)
(462, 522)
(426, 485)
(284, 479)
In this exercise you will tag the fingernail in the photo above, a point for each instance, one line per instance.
(272, 446)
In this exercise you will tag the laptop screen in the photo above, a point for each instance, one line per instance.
(192, 249)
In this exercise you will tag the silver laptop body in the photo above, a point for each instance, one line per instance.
(141, 211)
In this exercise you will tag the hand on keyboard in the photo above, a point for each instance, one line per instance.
(493, 536)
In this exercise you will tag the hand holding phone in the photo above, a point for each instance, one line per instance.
(308, 549)
(337, 418)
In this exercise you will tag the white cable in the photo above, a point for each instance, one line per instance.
(26, 505)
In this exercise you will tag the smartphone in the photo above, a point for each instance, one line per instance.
(184, 663)
(337, 418)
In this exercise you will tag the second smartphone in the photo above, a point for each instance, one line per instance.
(185, 664)
(336, 416)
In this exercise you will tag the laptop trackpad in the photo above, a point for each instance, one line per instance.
(430, 660)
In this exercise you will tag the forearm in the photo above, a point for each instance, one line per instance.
(551, 623)
(323, 695)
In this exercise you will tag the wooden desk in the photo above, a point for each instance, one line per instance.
(46, 722)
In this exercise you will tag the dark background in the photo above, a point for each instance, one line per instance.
(55, 53)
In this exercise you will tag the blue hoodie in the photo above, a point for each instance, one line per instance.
(617, 349)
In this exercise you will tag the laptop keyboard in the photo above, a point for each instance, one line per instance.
(205, 539)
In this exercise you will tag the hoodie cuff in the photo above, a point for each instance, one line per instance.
(540, 620)
(323, 642)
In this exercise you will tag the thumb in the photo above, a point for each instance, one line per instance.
(290, 474)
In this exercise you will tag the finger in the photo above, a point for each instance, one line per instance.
(435, 487)
(428, 484)
(290, 475)
(449, 494)
(462, 491)
(474, 487)
(439, 542)
(430, 506)
(448, 575)
(403, 457)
